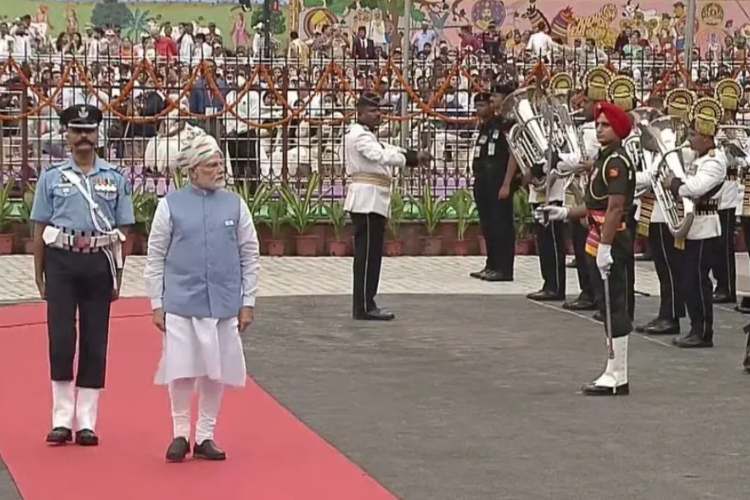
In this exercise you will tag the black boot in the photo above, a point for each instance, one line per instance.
(208, 450)
(693, 339)
(545, 295)
(479, 274)
(86, 437)
(376, 314)
(60, 435)
(722, 297)
(597, 390)
(582, 303)
(743, 306)
(663, 327)
(178, 449)
(642, 328)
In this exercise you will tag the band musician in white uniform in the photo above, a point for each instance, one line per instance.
(370, 164)
(705, 177)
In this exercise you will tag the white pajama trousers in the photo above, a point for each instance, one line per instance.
(210, 394)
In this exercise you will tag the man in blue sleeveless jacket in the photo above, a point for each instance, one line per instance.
(201, 275)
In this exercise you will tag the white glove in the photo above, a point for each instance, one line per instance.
(550, 212)
(604, 259)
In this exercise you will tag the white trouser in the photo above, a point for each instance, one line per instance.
(63, 403)
(87, 407)
(210, 393)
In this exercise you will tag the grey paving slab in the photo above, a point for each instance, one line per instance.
(475, 397)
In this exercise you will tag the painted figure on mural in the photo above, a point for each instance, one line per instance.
(240, 37)
(71, 19)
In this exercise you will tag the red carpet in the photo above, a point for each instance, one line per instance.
(271, 454)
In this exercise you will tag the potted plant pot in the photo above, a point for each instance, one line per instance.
(337, 248)
(128, 245)
(461, 247)
(525, 246)
(6, 243)
(275, 248)
(306, 244)
(394, 248)
(432, 246)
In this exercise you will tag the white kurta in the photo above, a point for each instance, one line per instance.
(197, 347)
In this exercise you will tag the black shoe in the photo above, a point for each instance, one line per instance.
(642, 328)
(598, 316)
(87, 437)
(580, 304)
(178, 450)
(663, 327)
(60, 435)
(722, 297)
(693, 340)
(496, 276)
(545, 295)
(208, 450)
(479, 274)
(743, 306)
(375, 315)
(746, 361)
(597, 390)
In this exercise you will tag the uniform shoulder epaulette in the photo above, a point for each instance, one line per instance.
(617, 155)
(56, 165)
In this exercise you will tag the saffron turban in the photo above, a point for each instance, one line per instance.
(618, 119)
(196, 149)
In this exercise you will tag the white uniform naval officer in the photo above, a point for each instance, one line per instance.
(370, 164)
(201, 276)
(80, 209)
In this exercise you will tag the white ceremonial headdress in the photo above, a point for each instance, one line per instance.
(197, 149)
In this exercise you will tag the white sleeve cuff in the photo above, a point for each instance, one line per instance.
(156, 304)
(248, 302)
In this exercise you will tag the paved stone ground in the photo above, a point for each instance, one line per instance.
(471, 393)
(332, 276)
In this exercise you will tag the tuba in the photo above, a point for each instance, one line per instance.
(661, 145)
(528, 137)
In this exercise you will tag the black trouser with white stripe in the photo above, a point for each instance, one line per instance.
(668, 263)
(722, 264)
(369, 230)
(578, 234)
(696, 284)
(550, 246)
(79, 282)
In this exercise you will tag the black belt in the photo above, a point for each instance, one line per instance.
(708, 207)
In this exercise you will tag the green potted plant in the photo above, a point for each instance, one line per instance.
(144, 208)
(524, 223)
(7, 237)
(302, 212)
(394, 247)
(24, 216)
(432, 211)
(462, 203)
(275, 219)
(337, 216)
(255, 201)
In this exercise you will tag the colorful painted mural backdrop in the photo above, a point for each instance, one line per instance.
(568, 20)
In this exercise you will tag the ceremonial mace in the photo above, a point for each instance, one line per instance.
(608, 317)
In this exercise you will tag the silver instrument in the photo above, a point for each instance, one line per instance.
(661, 145)
(528, 138)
